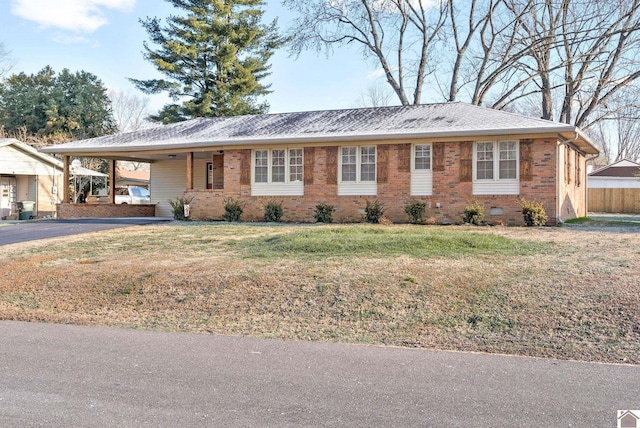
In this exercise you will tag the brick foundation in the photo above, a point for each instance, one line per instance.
(67, 211)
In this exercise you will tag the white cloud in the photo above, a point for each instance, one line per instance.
(83, 16)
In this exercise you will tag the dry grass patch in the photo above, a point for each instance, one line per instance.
(551, 292)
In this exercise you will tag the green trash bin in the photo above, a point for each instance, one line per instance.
(25, 210)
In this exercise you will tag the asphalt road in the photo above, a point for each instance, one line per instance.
(68, 376)
(42, 229)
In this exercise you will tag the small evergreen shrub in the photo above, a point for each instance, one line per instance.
(324, 213)
(473, 214)
(177, 206)
(373, 212)
(415, 210)
(273, 211)
(233, 209)
(533, 212)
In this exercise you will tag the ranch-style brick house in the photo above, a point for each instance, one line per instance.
(446, 155)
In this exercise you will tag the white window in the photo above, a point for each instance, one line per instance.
(421, 174)
(261, 166)
(496, 168)
(357, 171)
(278, 172)
(296, 166)
(271, 166)
(496, 161)
(278, 166)
(358, 164)
(507, 161)
(422, 157)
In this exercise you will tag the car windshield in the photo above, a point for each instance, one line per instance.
(139, 192)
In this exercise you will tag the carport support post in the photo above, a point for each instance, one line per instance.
(190, 171)
(66, 177)
(112, 181)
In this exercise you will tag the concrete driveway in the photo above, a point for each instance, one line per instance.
(14, 232)
(60, 375)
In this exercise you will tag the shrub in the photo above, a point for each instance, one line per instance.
(273, 211)
(373, 211)
(233, 209)
(177, 207)
(533, 212)
(473, 214)
(324, 213)
(415, 210)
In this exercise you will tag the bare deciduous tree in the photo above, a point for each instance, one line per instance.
(129, 110)
(618, 136)
(6, 63)
(573, 56)
(376, 95)
(398, 34)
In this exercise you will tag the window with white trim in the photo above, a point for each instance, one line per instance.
(358, 164)
(296, 165)
(422, 157)
(496, 161)
(271, 166)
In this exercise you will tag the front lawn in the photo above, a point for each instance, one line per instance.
(551, 292)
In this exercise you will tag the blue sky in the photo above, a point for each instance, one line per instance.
(105, 38)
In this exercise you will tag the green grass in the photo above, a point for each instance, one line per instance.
(601, 222)
(376, 241)
(579, 220)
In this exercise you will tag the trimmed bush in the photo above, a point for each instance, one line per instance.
(473, 214)
(373, 212)
(177, 206)
(273, 211)
(415, 210)
(233, 209)
(324, 213)
(533, 212)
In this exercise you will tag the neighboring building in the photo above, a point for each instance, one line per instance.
(623, 174)
(446, 155)
(126, 177)
(615, 188)
(28, 175)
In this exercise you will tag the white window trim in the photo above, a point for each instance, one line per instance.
(421, 179)
(496, 163)
(413, 157)
(358, 165)
(287, 172)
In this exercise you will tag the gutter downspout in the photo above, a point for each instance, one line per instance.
(567, 142)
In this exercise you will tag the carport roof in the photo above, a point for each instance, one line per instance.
(446, 120)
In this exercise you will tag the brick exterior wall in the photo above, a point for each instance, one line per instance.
(66, 211)
(452, 188)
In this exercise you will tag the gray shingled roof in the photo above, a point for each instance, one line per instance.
(423, 121)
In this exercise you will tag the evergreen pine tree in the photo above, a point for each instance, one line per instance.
(214, 58)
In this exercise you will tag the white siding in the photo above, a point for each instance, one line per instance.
(168, 181)
(16, 162)
(613, 183)
(357, 189)
(496, 188)
(422, 183)
(277, 189)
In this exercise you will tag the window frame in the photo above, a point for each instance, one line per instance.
(496, 162)
(414, 157)
(270, 166)
(209, 175)
(359, 158)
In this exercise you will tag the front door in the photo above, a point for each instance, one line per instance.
(8, 206)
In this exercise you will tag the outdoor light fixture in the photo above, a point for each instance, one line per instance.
(172, 156)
